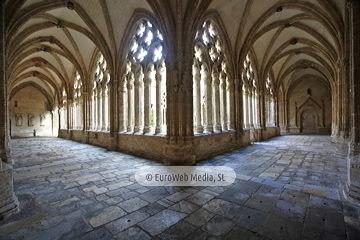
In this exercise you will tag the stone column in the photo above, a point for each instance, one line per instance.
(197, 93)
(223, 102)
(158, 79)
(238, 123)
(85, 108)
(74, 113)
(246, 108)
(259, 107)
(345, 98)
(274, 112)
(98, 109)
(8, 200)
(231, 98)
(85, 121)
(130, 116)
(339, 104)
(147, 102)
(208, 103)
(216, 100)
(251, 122)
(94, 110)
(139, 76)
(70, 115)
(286, 115)
(353, 189)
(104, 107)
(334, 116)
(122, 105)
(113, 107)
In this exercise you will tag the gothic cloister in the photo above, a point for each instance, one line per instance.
(269, 88)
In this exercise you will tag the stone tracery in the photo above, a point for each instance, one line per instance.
(212, 92)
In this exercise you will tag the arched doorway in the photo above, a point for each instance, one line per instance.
(309, 122)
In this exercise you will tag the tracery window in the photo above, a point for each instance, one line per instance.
(250, 95)
(213, 89)
(143, 87)
(100, 96)
(269, 103)
(78, 103)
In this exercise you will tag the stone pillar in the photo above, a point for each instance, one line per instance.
(274, 111)
(231, 99)
(158, 79)
(130, 116)
(85, 121)
(246, 108)
(223, 102)
(8, 200)
(339, 104)
(122, 105)
(216, 100)
(104, 106)
(69, 114)
(139, 76)
(113, 107)
(85, 109)
(259, 109)
(94, 110)
(74, 111)
(251, 122)
(345, 128)
(334, 116)
(345, 98)
(286, 115)
(98, 109)
(353, 189)
(208, 103)
(238, 107)
(197, 93)
(147, 102)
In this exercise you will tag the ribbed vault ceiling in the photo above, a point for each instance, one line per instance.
(289, 39)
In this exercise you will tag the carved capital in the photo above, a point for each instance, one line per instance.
(137, 83)
(147, 80)
(216, 82)
(129, 86)
(208, 80)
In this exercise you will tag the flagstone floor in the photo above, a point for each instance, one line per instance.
(289, 187)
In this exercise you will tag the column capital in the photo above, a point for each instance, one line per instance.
(216, 82)
(208, 80)
(147, 80)
(129, 86)
(137, 83)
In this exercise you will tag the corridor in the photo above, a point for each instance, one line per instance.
(289, 187)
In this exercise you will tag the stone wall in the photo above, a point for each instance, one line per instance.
(153, 147)
(28, 112)
(101, 139)
(214, 144)
(157, 147)
(271, 132)
(310, 96)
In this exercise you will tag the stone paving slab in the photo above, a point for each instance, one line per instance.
(289, 187)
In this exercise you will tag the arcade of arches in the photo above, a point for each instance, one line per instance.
(179, 81)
